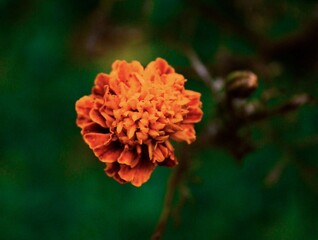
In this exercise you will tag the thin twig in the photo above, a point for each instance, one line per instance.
(276, 172)
(166, 210)
(185, 196)
(203, 72)
(174, 182)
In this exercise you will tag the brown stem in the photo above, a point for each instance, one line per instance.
(183, 198)
(274, 174)
(174, 182)
(203, 72)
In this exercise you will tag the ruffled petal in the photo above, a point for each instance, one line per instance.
(163, 67)
(160, 153)
(187, 134)
(97, 139)
(168, 151)
(93, 127)
(171, 161)
(193, 116)
(109, 153)
(83, 107)
(97, 117)
(101, 81)
(112, 169)
(129, 157)
(194, 98)
(137, 175)
(195, 112)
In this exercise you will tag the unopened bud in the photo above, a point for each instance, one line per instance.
(240, 84)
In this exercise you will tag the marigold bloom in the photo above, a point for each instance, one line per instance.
(132, 113)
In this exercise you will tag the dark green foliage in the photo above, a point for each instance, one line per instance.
(51, 185)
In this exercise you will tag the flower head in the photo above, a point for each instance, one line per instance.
(131, 115)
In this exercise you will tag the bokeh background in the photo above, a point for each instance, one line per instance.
(51, 185)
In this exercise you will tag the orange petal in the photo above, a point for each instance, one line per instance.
(123, 71)
(135, 116)
(83, 107)
(132, 103)
(101, 81)
(163, 149)
(112, 168)
(84, 104)
(168, 151)
(187, 134)
(142, 173)
(169, 146)
(108, 154)
(93, 127)
(144, 120)
(141, 137)
(158, 155)
(193, 116)
(177, 118)
(127, 173)
(172, 127)
(97, 117)
(128, 122)
(170, 161)
(136, 67)
(114, 86)
(176, 81)
(157, 125)
(153, 133)
(194, 97)
(116, 64)
(111, 102)
(137, 175)
(119, 127)
(163, 66)
(109, 119)
(129, 157)
(97, 139)
(131, 131)
(150, 150)
(162, 138)
(112, 171)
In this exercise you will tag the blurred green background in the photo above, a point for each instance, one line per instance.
(51, 185)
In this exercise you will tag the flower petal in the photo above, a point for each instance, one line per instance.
(112, 171)
(142, 173)
(83, 107)
(187, 134)
(159, 154)
(93, 127)
(109, 153)
(163, 67)
(97, 117)
(101, 81)
(171, 161)
(129, 157)
(131, 131)
(97, 139)
(137, 175)
(193, 116)
(150, 150)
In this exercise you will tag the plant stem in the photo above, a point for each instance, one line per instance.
(176, 178)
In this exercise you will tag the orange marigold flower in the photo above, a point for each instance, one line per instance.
(132, 113)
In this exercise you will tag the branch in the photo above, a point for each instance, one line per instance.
(203, 72)
(274, 174)
(174, 182)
